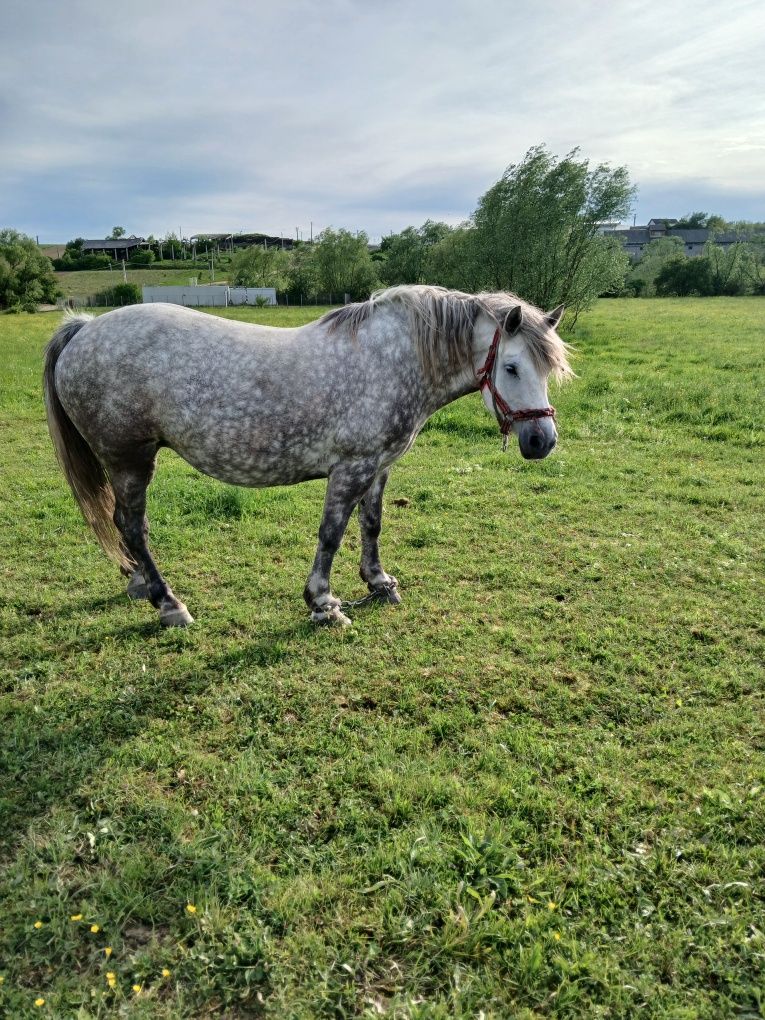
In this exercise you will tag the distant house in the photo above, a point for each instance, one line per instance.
(118, 248)
(635, 239)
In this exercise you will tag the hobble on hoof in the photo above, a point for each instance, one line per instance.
(326, 610)
(332, 616)
(137, 587)
(174, 614)
(386, 591)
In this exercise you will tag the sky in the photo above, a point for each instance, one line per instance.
(248, 116)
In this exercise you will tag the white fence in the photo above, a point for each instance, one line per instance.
(210, 296)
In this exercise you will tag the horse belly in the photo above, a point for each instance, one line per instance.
(252, 459)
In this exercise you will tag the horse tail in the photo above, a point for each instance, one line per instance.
(85, 473)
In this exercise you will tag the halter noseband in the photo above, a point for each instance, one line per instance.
(506, 416)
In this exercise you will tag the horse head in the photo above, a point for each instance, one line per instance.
(514, 374)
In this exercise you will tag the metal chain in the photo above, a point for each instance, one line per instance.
(378, 593)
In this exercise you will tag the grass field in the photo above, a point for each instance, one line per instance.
(87, 283)
(535, 789)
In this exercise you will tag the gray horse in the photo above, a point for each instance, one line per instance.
(341, 398)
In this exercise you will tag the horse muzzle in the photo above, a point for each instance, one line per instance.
(537, 438)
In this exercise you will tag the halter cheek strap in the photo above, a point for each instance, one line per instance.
(506, 416)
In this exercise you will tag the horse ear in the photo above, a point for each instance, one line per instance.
(554, 317)
(513, 320)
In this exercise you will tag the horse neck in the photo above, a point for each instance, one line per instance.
(462, 380)
(452, 385)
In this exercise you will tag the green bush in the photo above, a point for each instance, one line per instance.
(26, 276)
(682, 277)
(142, 258)
(74, 258)
(72, 263)
(120, 294)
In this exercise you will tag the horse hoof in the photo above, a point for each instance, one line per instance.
(331, 616)
(175, 616)
(137, 588)
(387, 592)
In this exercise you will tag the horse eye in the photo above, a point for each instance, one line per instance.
(511, 370)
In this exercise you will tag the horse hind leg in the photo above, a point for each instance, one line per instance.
(146, 581)
(370, 518)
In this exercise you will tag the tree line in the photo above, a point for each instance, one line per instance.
(536, 232)
(665, 270)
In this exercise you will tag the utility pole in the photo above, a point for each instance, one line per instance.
(124, 271)
(311, 231)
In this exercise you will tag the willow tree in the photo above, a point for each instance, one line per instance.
(537, 229)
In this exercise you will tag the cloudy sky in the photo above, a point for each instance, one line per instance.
(242, 115)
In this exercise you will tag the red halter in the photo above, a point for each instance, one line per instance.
(506, 416)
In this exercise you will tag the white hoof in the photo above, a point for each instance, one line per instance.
(175, 616)
(330, 615)
(137, 587)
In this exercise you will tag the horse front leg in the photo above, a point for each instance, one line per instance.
(370, 518)
(346, 486)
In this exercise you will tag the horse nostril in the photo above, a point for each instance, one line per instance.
(537, 441)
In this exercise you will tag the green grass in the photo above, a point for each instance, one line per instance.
(535, 789)
(87, 283)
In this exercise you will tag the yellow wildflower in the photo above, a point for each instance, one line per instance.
(137, 989)
(75, 917)
(2, 978)
(39, 1002)
(190, 908)
(552, 905)
(108, 951)
(165, 972)
(95, 929)
(556, 936)
(38, 924)
(110, 975)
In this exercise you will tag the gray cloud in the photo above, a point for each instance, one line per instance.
(367, 116)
